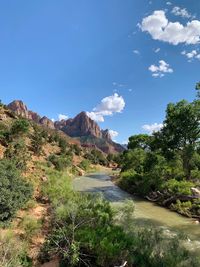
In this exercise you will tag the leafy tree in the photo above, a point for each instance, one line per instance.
(14, 191)
(181, 131)
(198, 89)
(142, 141)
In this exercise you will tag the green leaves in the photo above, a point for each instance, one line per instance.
(14, 191)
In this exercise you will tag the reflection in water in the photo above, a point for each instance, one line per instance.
(146, 213)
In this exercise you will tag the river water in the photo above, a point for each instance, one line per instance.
(146, 213)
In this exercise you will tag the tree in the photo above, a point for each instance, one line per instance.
(140, 141)
(181, 131)
(198, 89)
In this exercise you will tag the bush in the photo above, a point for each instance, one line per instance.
(31, 226)
(13, 252)
(85, 164)
(37, 140)
(63, 145)
(175, 187)
(96, 157)
(19, 127)
(14, 191)
(60, 162)
(17, 152)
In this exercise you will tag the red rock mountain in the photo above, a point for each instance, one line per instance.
(81, 127)
(21, 110)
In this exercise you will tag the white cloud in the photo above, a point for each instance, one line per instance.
(191, 55)
(113, 134)
(62, 117)
(108, 106)
(157, 50)
(182, 12)
(136, 52)
(150, 128)
(169, 3)
(160, 28)
(161, 69)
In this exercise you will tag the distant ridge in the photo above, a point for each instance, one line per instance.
(81, 127)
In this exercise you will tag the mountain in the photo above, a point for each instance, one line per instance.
(21, 109)
(81, 127)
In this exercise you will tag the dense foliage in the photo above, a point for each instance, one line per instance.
(165, 166)
(86, 231)
(14, 191)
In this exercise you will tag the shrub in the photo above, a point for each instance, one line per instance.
(85, 164)
(76, 149)
(63, 145)
(96, 157)
(178, 187)
(14, 191)
(60, 162)
(17, 152)
(37, 140)
(13, 252)
(19, 127)
(31, 226)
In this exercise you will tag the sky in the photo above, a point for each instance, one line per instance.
(121, 61)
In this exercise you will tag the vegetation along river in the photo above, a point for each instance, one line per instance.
(146, 212)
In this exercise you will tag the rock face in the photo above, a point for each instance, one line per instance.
(106, 135)
(81, 125)
(89, 133)
(47, 122)
(19, 108)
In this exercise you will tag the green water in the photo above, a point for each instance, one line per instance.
(146, 213)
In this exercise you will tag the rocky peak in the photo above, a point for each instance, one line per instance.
(106, 135)
(81, 125)
(47, 122)
(19, 108)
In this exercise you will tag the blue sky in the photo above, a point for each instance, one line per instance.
(62, 57)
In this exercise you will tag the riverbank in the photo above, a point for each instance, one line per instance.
(180, 204)
(146, 213)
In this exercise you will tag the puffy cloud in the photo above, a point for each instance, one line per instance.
(177, 11)
(191, 55)
(169, 3)
(161, 69)
(113, 133)
(108, 106)
(62, 117)
(160, 28)
(150, 128)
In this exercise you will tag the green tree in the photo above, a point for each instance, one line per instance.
(181, 132)
(14, 191)
(140, 141)
(198, 89)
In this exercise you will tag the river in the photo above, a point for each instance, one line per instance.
(145, 212)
